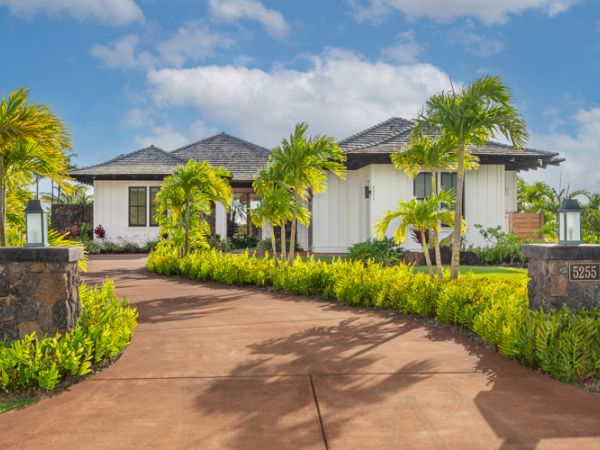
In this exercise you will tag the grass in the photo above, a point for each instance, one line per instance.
(489, 272)
(7, 405)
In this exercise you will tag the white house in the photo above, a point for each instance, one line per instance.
(344, 214)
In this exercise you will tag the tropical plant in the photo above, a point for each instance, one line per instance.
(422, 215)
(302, 163)
(100, 232)
(430, 154)
(384, 251)
(186, 198)
(469, 117)
(33, 141)
(275, 207)
(540, 196)
(78, 194)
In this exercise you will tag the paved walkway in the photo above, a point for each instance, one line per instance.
(214, 367)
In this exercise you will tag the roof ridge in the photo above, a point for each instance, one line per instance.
(223, 133)
(123, 155)
(372, 128)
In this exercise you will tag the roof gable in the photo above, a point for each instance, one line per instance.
(242, 158)
(150, 160)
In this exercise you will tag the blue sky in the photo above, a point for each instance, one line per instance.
(127, 73)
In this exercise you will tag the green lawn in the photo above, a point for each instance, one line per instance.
(7, 405)
(490, 272)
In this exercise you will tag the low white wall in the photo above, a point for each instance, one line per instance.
(111, 210)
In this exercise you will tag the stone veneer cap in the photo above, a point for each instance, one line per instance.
(41, 254)
(564, 252)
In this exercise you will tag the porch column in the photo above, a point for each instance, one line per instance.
(220, 221)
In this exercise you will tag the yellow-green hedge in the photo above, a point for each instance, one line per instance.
(103, 330)
(564, 344)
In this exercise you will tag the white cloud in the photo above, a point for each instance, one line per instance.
(581, 148)
(338, 94)
(113, 12)
(136, 118)
(476, 43)
(193, 41)
(233, 10)
(124, 54)
(163, 136)
(405, 50)
(488, 11)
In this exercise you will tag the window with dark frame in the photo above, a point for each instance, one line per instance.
(449, 181)
(422, 186)
(137, 206)
(153, 206)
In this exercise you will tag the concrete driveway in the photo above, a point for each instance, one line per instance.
(214, 367)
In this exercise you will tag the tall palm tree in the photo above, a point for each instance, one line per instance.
(472, 116)
(275, 205)
(430, 154)
(185, 199)
(421, 215)
(25, 125)
(302, 163)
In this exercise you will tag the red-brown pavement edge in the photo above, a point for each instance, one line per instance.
(212, 367)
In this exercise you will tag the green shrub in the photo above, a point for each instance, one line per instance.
(564, 344)
(384, 251)
(103, 330)
(500, 248)
(97, 247)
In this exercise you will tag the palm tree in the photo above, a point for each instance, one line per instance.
(421, 215)
(302, 164)
(276, 206)
(33, 138)
(185, 199)
(540, 196)
(430, 154)
(79, 195)
(470, 117)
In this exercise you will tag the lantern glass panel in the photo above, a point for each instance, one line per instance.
(573, 226)
(562, 226)
(35, 228)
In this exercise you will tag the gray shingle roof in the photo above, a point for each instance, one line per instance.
(388, 136)
(242, 158)
(146, 161)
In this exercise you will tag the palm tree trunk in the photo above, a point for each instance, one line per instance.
(273, 243)
(426, 253)
(293, 233)
(2, 204)
(283, 252)
(435, 234)
(186, 238)
(460, 178)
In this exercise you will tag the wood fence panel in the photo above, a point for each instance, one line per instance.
(526, 225)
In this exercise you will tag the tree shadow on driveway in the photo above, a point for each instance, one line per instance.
(270, 400)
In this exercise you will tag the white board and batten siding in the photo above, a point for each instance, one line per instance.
(342, 216)
(111, 210)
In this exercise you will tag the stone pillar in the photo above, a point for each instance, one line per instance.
(563, 274)
(39, 290)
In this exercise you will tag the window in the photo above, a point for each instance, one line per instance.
(153, 206)
(137, 206)
(422, 186)
(449, 181)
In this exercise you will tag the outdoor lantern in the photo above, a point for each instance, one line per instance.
(569, 223)
(36, 224)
